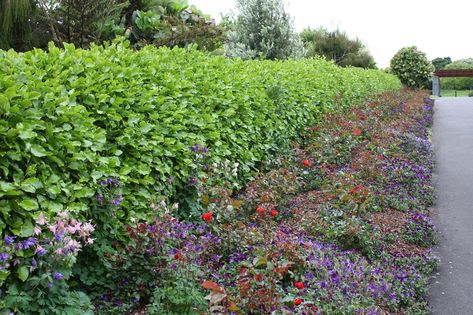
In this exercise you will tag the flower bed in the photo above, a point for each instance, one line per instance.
(338, 225)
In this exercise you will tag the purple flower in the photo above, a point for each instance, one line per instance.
(334, 277)
(101, 182)
(4, 256)
(58, 236)
(50, 285)
(58, 276)
(117, 201)
(34, 263)
(193, 181)
(28, 243)
(9, 240)
(100, 198)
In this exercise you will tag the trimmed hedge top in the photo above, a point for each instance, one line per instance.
(69, 117)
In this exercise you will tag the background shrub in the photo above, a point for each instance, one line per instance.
(263, 27)
(459, 83)
(70, 117)
(412, 67)
(337, 46)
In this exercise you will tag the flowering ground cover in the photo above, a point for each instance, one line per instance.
(338, 224)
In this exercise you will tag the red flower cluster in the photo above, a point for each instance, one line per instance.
(177, 256)
(299, 285)
(259, 210)
(274, 213)
(207, 217)
(359, 189)
(357, 131)
(298, 301)
(307, 163)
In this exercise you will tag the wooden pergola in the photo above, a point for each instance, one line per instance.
(448, 73)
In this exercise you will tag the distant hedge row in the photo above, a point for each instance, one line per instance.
(69, 117)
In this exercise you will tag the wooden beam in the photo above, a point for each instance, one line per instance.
(454, 73)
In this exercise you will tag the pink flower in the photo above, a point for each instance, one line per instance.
(36, 230)
(52, 228)
(63, 214)
(41, 219)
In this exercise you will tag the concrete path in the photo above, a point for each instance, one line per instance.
(451, 292)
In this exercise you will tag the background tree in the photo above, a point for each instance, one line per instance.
(32, 23)
(440, 63)
(171, 23)
(15, 24)
(412, 67)
(337, 46)
(459, 83)
(263, 27)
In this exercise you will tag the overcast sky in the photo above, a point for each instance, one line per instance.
(439, 28)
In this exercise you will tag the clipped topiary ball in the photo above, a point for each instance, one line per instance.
(412, 67)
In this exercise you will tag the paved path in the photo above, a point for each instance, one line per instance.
(452, 290)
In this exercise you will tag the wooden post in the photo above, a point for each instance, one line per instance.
(436, 86)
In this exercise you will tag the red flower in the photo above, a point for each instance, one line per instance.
(259, 210)
(299, 285)
(177, 256)
(307, 163)
(357, 131)
(259, 277)
(298, 301)
(207, 217)
(274, 213)
(380, 157)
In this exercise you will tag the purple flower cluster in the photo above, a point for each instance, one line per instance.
(420, 230)
(109, 192)
(196, 148)
(111, 182)
(404, 184)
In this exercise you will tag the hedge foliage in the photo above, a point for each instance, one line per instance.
(69, 117)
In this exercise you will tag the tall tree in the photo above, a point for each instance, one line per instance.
(337, 46)
(440, 63)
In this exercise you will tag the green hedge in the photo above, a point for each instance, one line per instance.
(69, 117)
